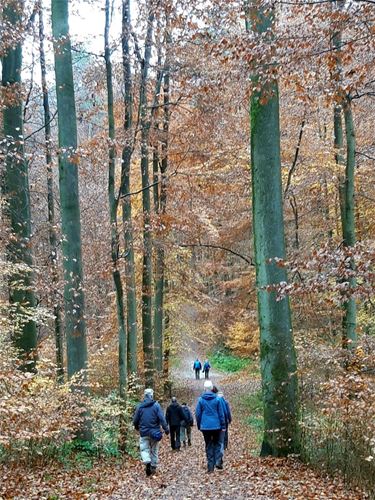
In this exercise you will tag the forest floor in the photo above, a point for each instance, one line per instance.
(182, 475)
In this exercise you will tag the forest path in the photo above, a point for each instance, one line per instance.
(183, 475)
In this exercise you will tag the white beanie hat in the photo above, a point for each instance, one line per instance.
(149, 392)
(208, 386)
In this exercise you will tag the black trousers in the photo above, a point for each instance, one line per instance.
(175, 437)
(207, 374)
(197, 374)
(214, 451)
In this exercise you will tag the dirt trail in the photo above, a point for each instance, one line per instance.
(182, 475)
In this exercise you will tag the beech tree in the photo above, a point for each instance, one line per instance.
(127, 152)
(277, 354)
(113, 205)
(15, 187)
(74, 307)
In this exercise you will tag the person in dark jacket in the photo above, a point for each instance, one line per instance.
(197, 366)
(186, 425)
(211, 421)
(174, 416)
(206, 369)
(147, 420)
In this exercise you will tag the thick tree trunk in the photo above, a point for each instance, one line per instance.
(113, 204)
(278, 358)
(16, 191)
(75, 327)
(124, 193)
(148, 344)
(59, 341)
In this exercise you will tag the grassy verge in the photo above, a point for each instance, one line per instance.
(225, 361)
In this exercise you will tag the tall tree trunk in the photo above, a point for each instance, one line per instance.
(59, 345)
(16, 191)
(348, 226)
(148, 344)
(113, 205)
(278, 358)
(162, 202)
(75, 327)
(124, 193)
(346, 185)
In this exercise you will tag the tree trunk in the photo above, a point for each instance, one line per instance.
(124, 193)
(59, 341)
(278, 358)
(160, 256)
(16, 191)
(75, 327)
(148, 344)
(113, 204)
(346, 186)
(348, 226)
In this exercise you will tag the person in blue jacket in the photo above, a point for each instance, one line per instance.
(147, 420)
(211, 422)
(228, 417)
(206, 369)
(197, 366)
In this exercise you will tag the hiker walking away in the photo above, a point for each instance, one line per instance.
(206, 369)
(228, 418)
(197, 366)
(147, 420)
(186, 425)
(174, 416)
(211, 421)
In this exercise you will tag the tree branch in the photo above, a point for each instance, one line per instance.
(249, 260)
(294, 164)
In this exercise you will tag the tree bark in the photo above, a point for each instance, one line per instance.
(346, 186)
(278, 358)
(113, 205)
(74, 306)
(124, 190)
(148, 344)
(16, 191)
(59, 341)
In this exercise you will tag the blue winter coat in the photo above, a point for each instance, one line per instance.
(149, 417)
(206, 366)
(188, 420)
(209, 412)
(197, 365)
(226, 409)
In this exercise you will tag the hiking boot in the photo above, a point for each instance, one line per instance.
(148, 469)
(220, 466)
(184, 443)
(189, 442)
(210, 469)
(153, 469)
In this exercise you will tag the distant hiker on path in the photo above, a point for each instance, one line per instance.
(211, 421)
(206, 369)
(147, 420)
(186, 425)
(174, 417)
(197, 366)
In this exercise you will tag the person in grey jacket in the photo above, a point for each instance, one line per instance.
(147, 420)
